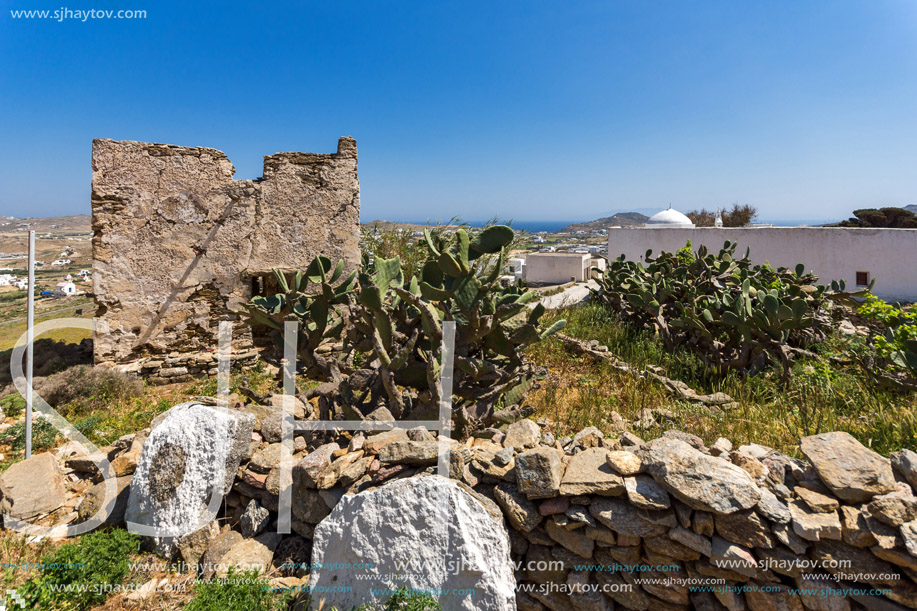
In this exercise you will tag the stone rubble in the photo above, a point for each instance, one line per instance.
(749, 516)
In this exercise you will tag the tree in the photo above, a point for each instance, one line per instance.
(702, 217)
(738, 216)
(895, 218)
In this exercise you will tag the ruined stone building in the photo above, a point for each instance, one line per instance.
(178, 245)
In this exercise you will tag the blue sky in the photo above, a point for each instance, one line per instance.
(522, 110)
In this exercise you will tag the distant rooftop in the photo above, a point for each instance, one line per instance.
(669, 218)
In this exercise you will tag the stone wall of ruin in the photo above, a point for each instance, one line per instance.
(177, 241)
(601, 523)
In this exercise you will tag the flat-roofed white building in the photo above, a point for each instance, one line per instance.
(855, 255)
(557, 267)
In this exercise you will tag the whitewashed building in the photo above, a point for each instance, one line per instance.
(66, 289)
(515, 266)
(856, 255)
(557, 267)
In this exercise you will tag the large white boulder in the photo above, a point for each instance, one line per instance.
(423, 533)
(190, 457)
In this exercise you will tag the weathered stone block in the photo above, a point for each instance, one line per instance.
(192, 453)
(31, 488)
(178, 244)
(539, 472)
(430, 523)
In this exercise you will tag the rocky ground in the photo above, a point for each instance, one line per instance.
(669, 513)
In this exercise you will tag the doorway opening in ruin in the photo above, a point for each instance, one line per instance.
(263, 284)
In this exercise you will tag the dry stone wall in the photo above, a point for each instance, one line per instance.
(593, 522)
(179, 245)
(603, 523)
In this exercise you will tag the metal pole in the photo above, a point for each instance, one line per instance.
(30, 340)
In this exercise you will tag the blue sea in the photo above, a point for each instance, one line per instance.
(554, 226)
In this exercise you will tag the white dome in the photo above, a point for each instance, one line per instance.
(669, 218)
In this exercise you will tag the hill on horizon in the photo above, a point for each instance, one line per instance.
(74, 223)
(624, 219)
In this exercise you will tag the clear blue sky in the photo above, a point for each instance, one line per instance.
(523, 110)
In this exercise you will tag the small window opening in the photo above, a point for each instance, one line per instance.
(257, 286)
(862, 278)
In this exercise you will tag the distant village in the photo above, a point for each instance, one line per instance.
(579, 251)
(67, 275)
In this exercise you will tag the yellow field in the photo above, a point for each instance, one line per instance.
(10, 332)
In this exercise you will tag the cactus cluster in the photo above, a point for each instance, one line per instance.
(894, 358)
(320, 307)
(391, 327)
(732, 313)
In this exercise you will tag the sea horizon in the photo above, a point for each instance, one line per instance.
(555, 226)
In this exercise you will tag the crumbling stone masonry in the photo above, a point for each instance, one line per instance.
(178, 245)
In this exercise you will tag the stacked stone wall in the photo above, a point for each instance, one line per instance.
(601, 523)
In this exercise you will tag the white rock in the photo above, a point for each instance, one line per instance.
(427, 531)
(194, 450)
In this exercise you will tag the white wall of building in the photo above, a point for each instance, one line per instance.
(556, 267)
(888, 255)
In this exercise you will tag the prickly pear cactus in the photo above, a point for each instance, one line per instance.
(734, 314)
(392, 326)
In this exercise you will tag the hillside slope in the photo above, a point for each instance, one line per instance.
(624, 219)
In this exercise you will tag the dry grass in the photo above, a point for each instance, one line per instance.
(16, 552)
(581, 392)
(10, 332)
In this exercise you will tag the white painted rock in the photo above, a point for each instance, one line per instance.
(192, 452)
(425, 533)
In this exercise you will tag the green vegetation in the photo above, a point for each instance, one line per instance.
(737, 216)
(238, 591)
(251, 592)
(12, 406)
(256, 378)
(80, 574)
(44, 436)
(405, 600)
(896, 218)
(385, 317)
(734, 315)
(826, 392)
(895, 350)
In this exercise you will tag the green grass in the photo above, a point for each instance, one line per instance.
(250, 592)
(44, 436)
(93, 563)
(238, 591)
(820, 397)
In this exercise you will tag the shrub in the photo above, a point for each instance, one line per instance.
(895, 350)
(93, 565)
(12, 406)
(405, 600)
(238, 591)
(733, 314)
(44, 436)
(738, 216)
(90, 384)
(391, 324)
